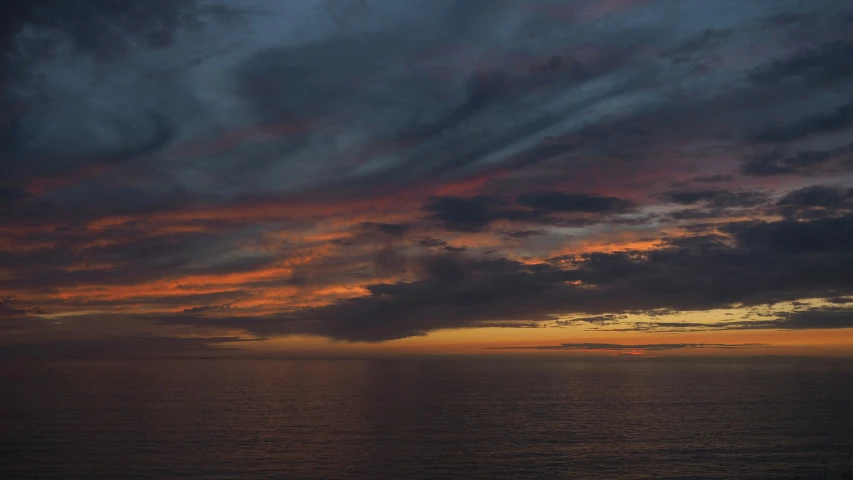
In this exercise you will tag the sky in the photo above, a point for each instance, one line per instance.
(257, 177)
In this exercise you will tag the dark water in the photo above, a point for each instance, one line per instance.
(418, 419)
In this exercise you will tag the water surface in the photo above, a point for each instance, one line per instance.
(421, 419)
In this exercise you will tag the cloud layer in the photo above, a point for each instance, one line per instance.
(375, 170)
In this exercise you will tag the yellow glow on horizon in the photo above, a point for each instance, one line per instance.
(490, 341)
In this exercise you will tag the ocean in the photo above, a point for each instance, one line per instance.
(432, 418)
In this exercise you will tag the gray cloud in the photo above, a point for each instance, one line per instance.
(374, 106)
(816, 201)
(572, 202)
(716, 197)
(520, 234)
(207, 308)
(714, 179)
(134, 253)
(761, 263)
(825, 64)
(472, 214)
(537, 207)
(414, 122)
(817, 196)
(8, 308)
(821, 318)
(777, 163)
(134, 138)
(836, 120)
(616, 347)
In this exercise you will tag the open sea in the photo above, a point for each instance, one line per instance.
(441, 418)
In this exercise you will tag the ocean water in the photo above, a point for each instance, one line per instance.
(422, 419)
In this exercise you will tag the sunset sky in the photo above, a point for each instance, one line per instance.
(265, 177)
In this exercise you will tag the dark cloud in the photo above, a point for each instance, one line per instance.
(690, 197)
(701, 327)
(824, 235)
(423, 123)
(132, 253)
(695, 50)
(392, 229)
(88, 25)
(713, 203)
(431, 243)
(373, 233)
(820, 318)
(476, 213)
(836, 120)
(207, 308)
(567, 202)
(9, 195)
(716, 197)
(125, 346)
(697, 214)
(616, 347)
(839, 300)
(816, 201)
(37, 154)
(106, 29)
(761, 263)
(824, 64)
(776, 163)
(466, 214)
(179, 156)
(206, 301)
(553, 99)
(388, 261)
(523, 233)
(714, 179)
(451, 292)
(8, 308)
(817, 196)
(595, 319)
